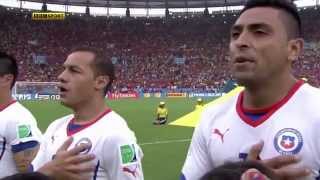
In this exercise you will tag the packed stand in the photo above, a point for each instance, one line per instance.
(150, 54)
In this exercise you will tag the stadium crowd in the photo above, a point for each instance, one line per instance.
(177, 54)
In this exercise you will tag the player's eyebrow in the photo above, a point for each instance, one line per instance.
(259, 26)
(236, 27)
(253, 26)
(72, 66)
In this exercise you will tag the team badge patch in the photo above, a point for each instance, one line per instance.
(24, 131)
(288, 141)
(128, 154)
(85, 141)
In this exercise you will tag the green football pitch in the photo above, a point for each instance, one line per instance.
(164, 147)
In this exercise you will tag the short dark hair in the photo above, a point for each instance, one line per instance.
(234, 170)
(8, 65)
(294, 26)
(101, 65)
(28, 176)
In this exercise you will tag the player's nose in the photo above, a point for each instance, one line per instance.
(243, 41)
(62, 76)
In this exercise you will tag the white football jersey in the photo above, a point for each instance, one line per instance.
(17, 125)
(118, 156)
(225, 134)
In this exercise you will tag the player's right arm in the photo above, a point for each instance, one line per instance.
(280, 165)
(69, 164)
(197, 162)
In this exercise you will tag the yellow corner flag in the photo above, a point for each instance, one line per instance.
(191, 119)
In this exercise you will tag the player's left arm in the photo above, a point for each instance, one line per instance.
(24, 154)
(24, 139)
(123, 160)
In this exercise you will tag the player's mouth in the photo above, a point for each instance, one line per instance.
(241, 63)
(242, 60)
(63, 91)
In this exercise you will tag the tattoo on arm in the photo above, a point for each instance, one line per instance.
(24, 158)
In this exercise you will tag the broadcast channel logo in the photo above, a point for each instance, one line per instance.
(48, 16)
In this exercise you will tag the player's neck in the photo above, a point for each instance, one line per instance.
(267, 94)
(5, 98)
(89, 111)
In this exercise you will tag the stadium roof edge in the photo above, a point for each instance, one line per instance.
(146, 3)
(149, 8)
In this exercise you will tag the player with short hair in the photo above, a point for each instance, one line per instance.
(161, 114)
(274, 108)
(244, 170)
(28, 176)
(19, 133)
(84, 82)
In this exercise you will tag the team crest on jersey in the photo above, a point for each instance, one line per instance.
(288, 141)
(85, 141)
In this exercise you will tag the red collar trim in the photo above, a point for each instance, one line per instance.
(89, 123)
(4, 106)
(269, 110)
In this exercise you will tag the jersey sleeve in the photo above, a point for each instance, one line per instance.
(123, 159)
(197, 162)
(23, 130)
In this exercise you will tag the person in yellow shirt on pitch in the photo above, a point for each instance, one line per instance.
(162, 114)
(199, 104)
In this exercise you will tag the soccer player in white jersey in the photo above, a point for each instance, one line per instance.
(19, 134)
(275, 107)
(86, 78)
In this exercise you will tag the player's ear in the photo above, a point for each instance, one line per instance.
(6, 80)
(101, 82)
(295, 48)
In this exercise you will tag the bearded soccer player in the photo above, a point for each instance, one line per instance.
(274, 108)
(19, 134)
(86, 78)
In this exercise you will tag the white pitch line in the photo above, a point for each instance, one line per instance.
(165, 142)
